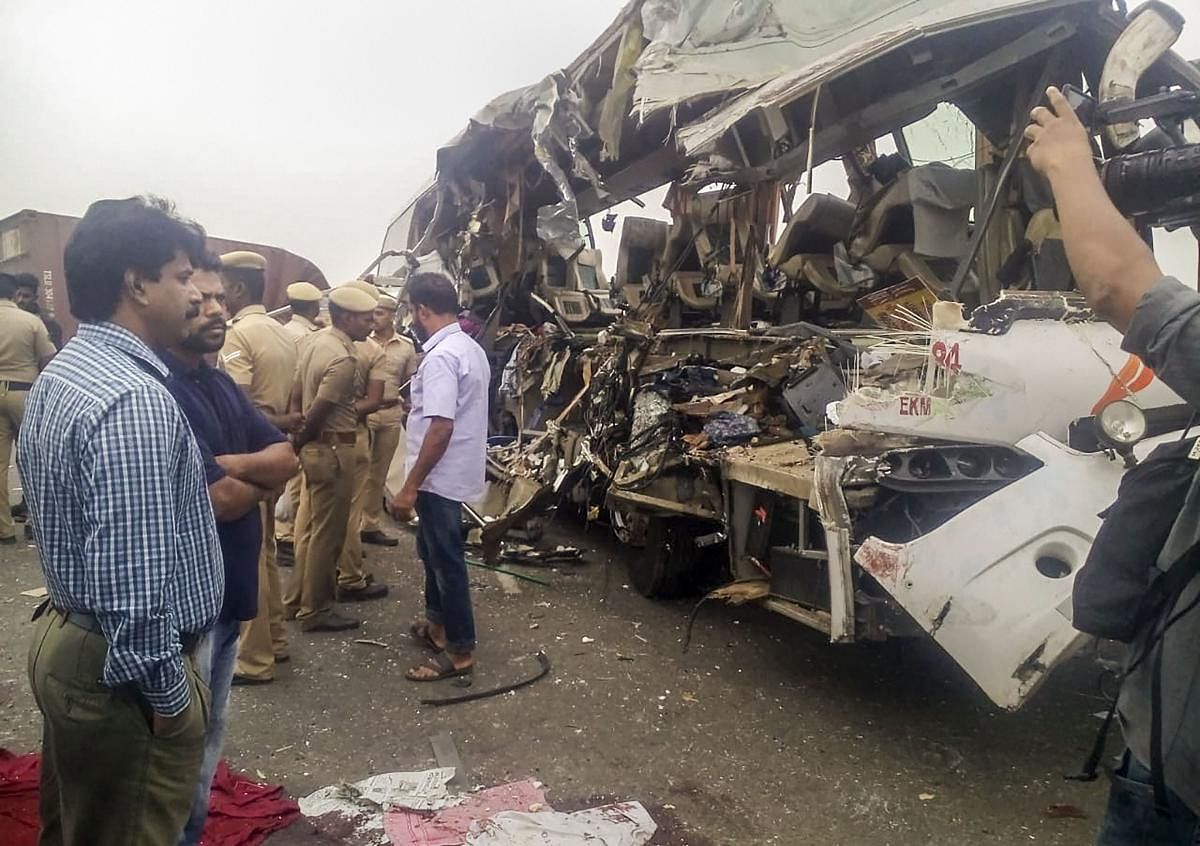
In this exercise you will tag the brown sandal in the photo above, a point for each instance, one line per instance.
(445, 667)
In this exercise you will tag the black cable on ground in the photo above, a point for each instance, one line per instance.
(543, 661)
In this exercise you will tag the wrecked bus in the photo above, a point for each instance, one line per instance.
(885, 413)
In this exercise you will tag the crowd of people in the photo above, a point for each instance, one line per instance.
(172, 453)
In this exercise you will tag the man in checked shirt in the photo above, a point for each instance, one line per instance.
(129, 548)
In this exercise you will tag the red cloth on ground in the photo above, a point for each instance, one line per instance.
(242, 812)
(19, 799)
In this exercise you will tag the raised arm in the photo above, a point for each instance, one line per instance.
(1112, 265)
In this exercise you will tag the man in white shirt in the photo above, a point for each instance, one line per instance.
(447, 444)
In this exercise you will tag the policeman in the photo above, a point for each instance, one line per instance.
(304, 298)
(329, 381)
(260, 356)
(25, 349)
(355, 584)
(26, 299)
(385, 427)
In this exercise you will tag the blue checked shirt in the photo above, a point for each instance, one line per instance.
(120, 510)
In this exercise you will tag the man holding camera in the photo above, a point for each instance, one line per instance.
(1160, 318)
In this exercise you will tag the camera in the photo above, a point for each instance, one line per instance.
(1156, 180)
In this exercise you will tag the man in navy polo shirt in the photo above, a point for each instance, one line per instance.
(246, 459)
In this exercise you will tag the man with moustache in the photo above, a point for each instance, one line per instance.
(447, 449)
(26, 299)
(260, 356)
(304, 299)
(25, 348)
(328, 385)
(246, 458)
(355, 584)
(385, 426)
(129, 549)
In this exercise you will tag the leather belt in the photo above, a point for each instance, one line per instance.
(15, 386)
(335, 438)
(89, 623)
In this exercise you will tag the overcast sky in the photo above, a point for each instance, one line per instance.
(302, 124)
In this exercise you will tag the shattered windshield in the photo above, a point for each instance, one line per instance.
(945, 136)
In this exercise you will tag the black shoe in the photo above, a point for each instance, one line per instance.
(330, 621)
(248, 681)
(20, 511)
(8, 541)
(362, 594)
(378, 538)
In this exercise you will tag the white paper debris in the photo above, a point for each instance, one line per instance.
(362, 804)
(623, 824)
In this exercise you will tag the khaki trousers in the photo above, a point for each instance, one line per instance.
(350, 572)
(384, 442)
(320, 527)
(12, 409)
(264, 638)
(107, 780)
(285, 530)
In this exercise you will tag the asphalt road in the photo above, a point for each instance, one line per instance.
(761, 733)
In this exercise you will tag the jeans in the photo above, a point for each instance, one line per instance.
(1131, 818)
(447, 588)
(215, 660)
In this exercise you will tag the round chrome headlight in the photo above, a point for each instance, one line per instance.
(1122, 423)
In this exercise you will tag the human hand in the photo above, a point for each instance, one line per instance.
(233, 465)
(403, 504)
(292, 422)
(161, 726)
(1059, 142)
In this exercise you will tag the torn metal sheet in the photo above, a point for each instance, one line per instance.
(811, 43)
(829, 501)
(993, 584)
(988, 389)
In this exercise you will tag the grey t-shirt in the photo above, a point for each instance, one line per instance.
(1165, 333)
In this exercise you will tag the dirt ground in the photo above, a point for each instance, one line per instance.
(761, 733)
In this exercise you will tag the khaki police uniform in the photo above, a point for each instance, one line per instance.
(24, 342)
(370, 362)
(386, 426)
(300, 328)
(260, 356)
(327, 370)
